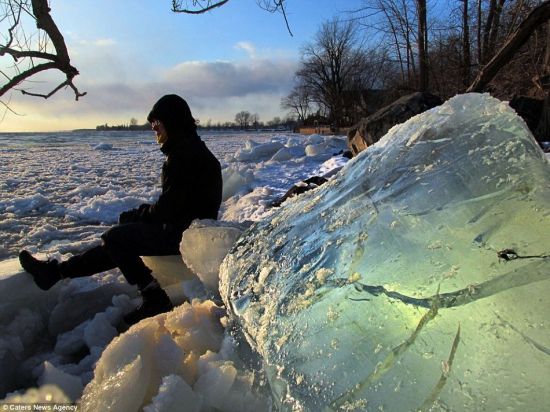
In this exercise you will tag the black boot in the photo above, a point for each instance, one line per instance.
(155, 301)
(45, 274)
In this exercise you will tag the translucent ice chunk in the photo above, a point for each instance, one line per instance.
(417, 278)
(204, 245)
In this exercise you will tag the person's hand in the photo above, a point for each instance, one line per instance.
(129, 216)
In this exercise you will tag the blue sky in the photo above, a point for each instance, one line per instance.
(131, 52)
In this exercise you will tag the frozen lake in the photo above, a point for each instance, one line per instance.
(60, 191)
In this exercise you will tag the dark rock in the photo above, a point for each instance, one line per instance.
(536, 114)
(529, 109)
(371, 129)
(299, 188)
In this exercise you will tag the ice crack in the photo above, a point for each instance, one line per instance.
(533, 272)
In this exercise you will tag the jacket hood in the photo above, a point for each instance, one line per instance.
(174, 113)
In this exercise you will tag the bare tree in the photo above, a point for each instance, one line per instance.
(394, 19)
(255, 120)
(33, 54)
(243, 119)
(299, 101)
(331, 64)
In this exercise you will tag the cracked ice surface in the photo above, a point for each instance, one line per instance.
(384, 288)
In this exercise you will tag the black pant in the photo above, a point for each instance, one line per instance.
(122, 247)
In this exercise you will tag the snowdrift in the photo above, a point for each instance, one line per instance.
(417, 278)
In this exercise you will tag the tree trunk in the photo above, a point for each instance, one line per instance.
(479, 43)
(493, 34)
(543, 129)
(422, 45)
(538, 16)
(467, 60)
(488, 24)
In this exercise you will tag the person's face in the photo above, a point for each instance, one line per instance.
(160, 131)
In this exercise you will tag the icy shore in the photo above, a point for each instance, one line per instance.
(67, 341)
(415, 278)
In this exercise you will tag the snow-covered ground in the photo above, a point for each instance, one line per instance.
(58, 193)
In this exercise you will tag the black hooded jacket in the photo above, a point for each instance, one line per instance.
(191, 175)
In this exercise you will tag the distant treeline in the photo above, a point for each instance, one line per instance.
(243, 121)
(136, 127)
(226, 126)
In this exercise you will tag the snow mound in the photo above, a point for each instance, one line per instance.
(416, 279)
(70, 385)
(255, 152)
(22, 206)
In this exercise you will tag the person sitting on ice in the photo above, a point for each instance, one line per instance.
(191, 189)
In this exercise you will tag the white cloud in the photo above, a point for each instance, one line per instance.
(96, 42)
(230, 79)
(104, 42)
(214, 90)
(247, 47)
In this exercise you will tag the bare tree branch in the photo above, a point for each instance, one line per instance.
(197, 6)
(66, 83)
(15, 80)
(25, 50)
(273, 6)
(203, 6)
(17, 54)
(538, 16)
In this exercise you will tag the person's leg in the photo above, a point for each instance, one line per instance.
(92, 261)
(48, 273)
(122, 247)
(125, 244)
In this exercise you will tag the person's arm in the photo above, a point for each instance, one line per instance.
(132, 215)
(172, 204)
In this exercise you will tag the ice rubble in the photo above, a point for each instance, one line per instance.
(416, 279)
(174, 357)
(84, 315)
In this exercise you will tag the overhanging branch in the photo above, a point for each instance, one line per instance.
(273, 6)
(66, 83)
(21, 51)
(538, 16)
(14, 81)
(200, 6)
